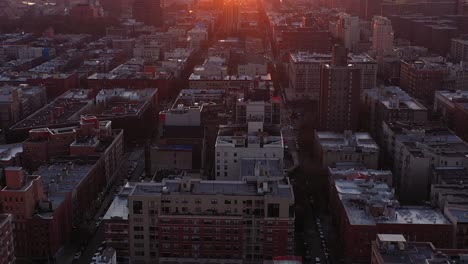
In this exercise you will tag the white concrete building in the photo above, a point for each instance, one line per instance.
(382, 36)
(252, 141)
(332, 148)
(251, 110)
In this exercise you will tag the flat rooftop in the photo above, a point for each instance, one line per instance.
(123, 102)
(451, 175)
(358, 196)
(359, 141)
(393, 97)
(461, 215)
(240, 137)
(453, 95)
(197, 97)
(63, 177)
(433, 138)
(119, 206)
(413, 253)
(202, 187)
(64, 109)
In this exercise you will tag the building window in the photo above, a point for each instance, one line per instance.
(137, 207)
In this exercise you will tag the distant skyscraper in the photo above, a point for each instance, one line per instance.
(339, 94)
(231, 16)
(382, 38)
(148, 12)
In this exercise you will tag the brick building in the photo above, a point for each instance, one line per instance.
(7, 247)
(223, 221)
(340, 88)
(134, 110)
(364, 209)
(420, 79)
(55, 84)
(41, 224)
(135, 75)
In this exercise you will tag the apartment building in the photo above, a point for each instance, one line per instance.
(395, 249)
(415, 150)
(363, 208)
(332, 148)
(304, 73)
(389, 104)
(187, 219)
(7, 247)
(248, 141)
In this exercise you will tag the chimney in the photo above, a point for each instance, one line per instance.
(15, 177)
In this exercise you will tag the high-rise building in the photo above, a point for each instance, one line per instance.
(149, 12)
(231, 17)
(339, 94)
(188, 220)
(348, 30)
(382, 36)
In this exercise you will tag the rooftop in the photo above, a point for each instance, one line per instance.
(119, 206)
(63, 177)
(393, 97)
(122, 102)
(429, 138)
(370, 203)
(65, 109)
(451, 175)
(239, 136)
(201, 187)
(453, 95)
(359, 141)
(394, 248)
(460, 214)
(197, 97)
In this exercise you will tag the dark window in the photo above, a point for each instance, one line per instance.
(273, 210)
(137, 207)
